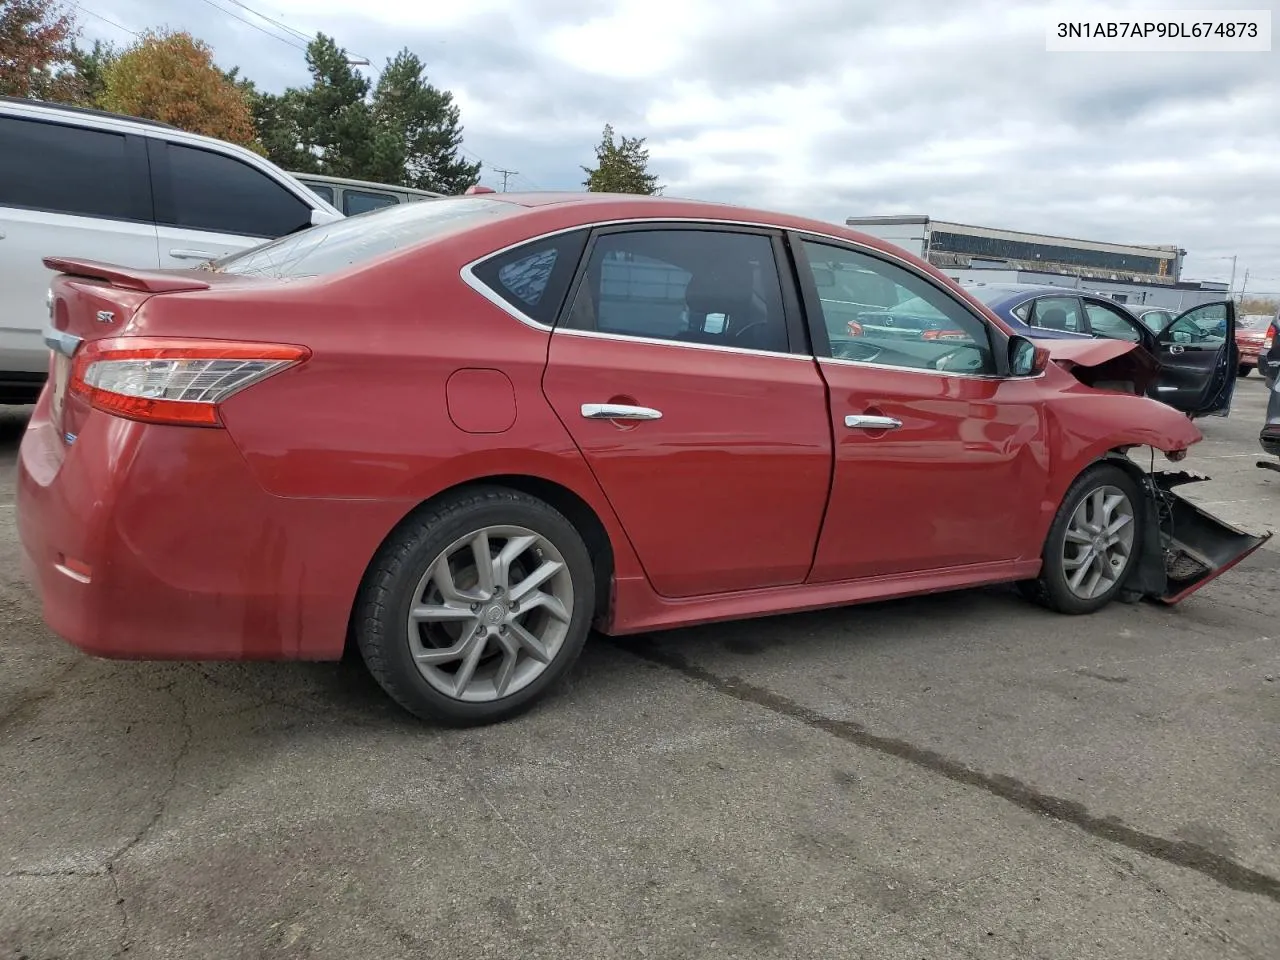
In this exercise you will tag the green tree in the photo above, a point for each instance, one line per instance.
(621, 167)
(331, 118)
(418, 130)
(90, 70)
(36, 43)
(405, 131)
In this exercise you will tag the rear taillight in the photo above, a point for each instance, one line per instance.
(176, 381)
(944, 335)
(854, 328)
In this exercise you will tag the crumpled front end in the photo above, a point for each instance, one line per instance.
(1185, 547)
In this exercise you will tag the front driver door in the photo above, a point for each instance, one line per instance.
(940, 462)
(1199, 360)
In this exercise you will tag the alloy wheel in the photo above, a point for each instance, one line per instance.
(1099, 542)
(491, 613)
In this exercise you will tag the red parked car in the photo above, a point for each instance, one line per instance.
(1251, 331)
(461, 433)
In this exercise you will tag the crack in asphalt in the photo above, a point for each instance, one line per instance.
(1180, 853)
(112, 861)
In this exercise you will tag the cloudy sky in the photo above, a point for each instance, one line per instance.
(831, 108)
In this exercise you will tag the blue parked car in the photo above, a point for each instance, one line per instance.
(1197, 350)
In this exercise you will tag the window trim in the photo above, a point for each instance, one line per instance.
(997, 340)
(162, 186)
(998, 335)
(1082, 315)
(135, 151)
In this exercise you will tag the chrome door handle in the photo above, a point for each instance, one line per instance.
(181, 253)
(619, 411)
(854, 422)
(1176, 348)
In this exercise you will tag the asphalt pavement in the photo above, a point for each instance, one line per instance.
(957, 776)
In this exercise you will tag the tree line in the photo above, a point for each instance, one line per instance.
(401, 129)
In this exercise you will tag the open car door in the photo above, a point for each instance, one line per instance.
(1199, 360)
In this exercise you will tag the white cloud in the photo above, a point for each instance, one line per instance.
(832, 107)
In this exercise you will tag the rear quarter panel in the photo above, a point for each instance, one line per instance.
(367, 417)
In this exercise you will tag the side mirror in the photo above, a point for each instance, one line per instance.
(1025, 358)
(320, 217)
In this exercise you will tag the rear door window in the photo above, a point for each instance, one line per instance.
(362, 201)
(1057, 313)
(203, 190)
(72, 170)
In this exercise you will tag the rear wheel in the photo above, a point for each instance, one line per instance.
(476, 607)
(1093, 544)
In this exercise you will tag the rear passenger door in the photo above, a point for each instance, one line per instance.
(67, 191)
(209, 204)
(681, 370)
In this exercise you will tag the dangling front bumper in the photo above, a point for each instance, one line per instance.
(1185, 547)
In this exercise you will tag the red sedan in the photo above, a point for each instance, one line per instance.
(461, 433)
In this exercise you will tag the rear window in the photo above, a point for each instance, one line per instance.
(71, 170)
(344, 243)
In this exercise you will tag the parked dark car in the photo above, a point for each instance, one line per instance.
(1197, 350)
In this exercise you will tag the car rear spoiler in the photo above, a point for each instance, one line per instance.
(147, 281)
(1185, 547)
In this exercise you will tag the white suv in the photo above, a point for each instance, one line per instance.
(93, 185)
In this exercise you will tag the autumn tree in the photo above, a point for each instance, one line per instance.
(36, 39)
(171, 77)
(621, 167)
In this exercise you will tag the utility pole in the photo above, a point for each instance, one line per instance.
(505, 174)
(1244, 284)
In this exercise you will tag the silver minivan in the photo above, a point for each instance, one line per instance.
(360, 196)
(83, 183)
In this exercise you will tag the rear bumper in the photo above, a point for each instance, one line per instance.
(149, 542)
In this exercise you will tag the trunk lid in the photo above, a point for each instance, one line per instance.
(90, 300)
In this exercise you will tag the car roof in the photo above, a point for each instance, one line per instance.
(597, 207)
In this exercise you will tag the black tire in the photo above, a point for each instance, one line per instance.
(1245, 369)
(1051, 589)
(386, 594)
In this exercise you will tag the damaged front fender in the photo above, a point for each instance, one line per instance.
(1184, 547)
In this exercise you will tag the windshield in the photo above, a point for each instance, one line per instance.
(343, 243)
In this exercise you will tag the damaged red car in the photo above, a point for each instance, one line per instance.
(460, 434)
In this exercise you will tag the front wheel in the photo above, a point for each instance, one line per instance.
(476, 606)
(1093, 543)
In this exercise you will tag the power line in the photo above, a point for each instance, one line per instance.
(260, 29)
(357, 60)
(283, 26)
(94, 13)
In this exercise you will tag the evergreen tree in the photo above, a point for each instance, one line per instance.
(621, 167)
(419, 135)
